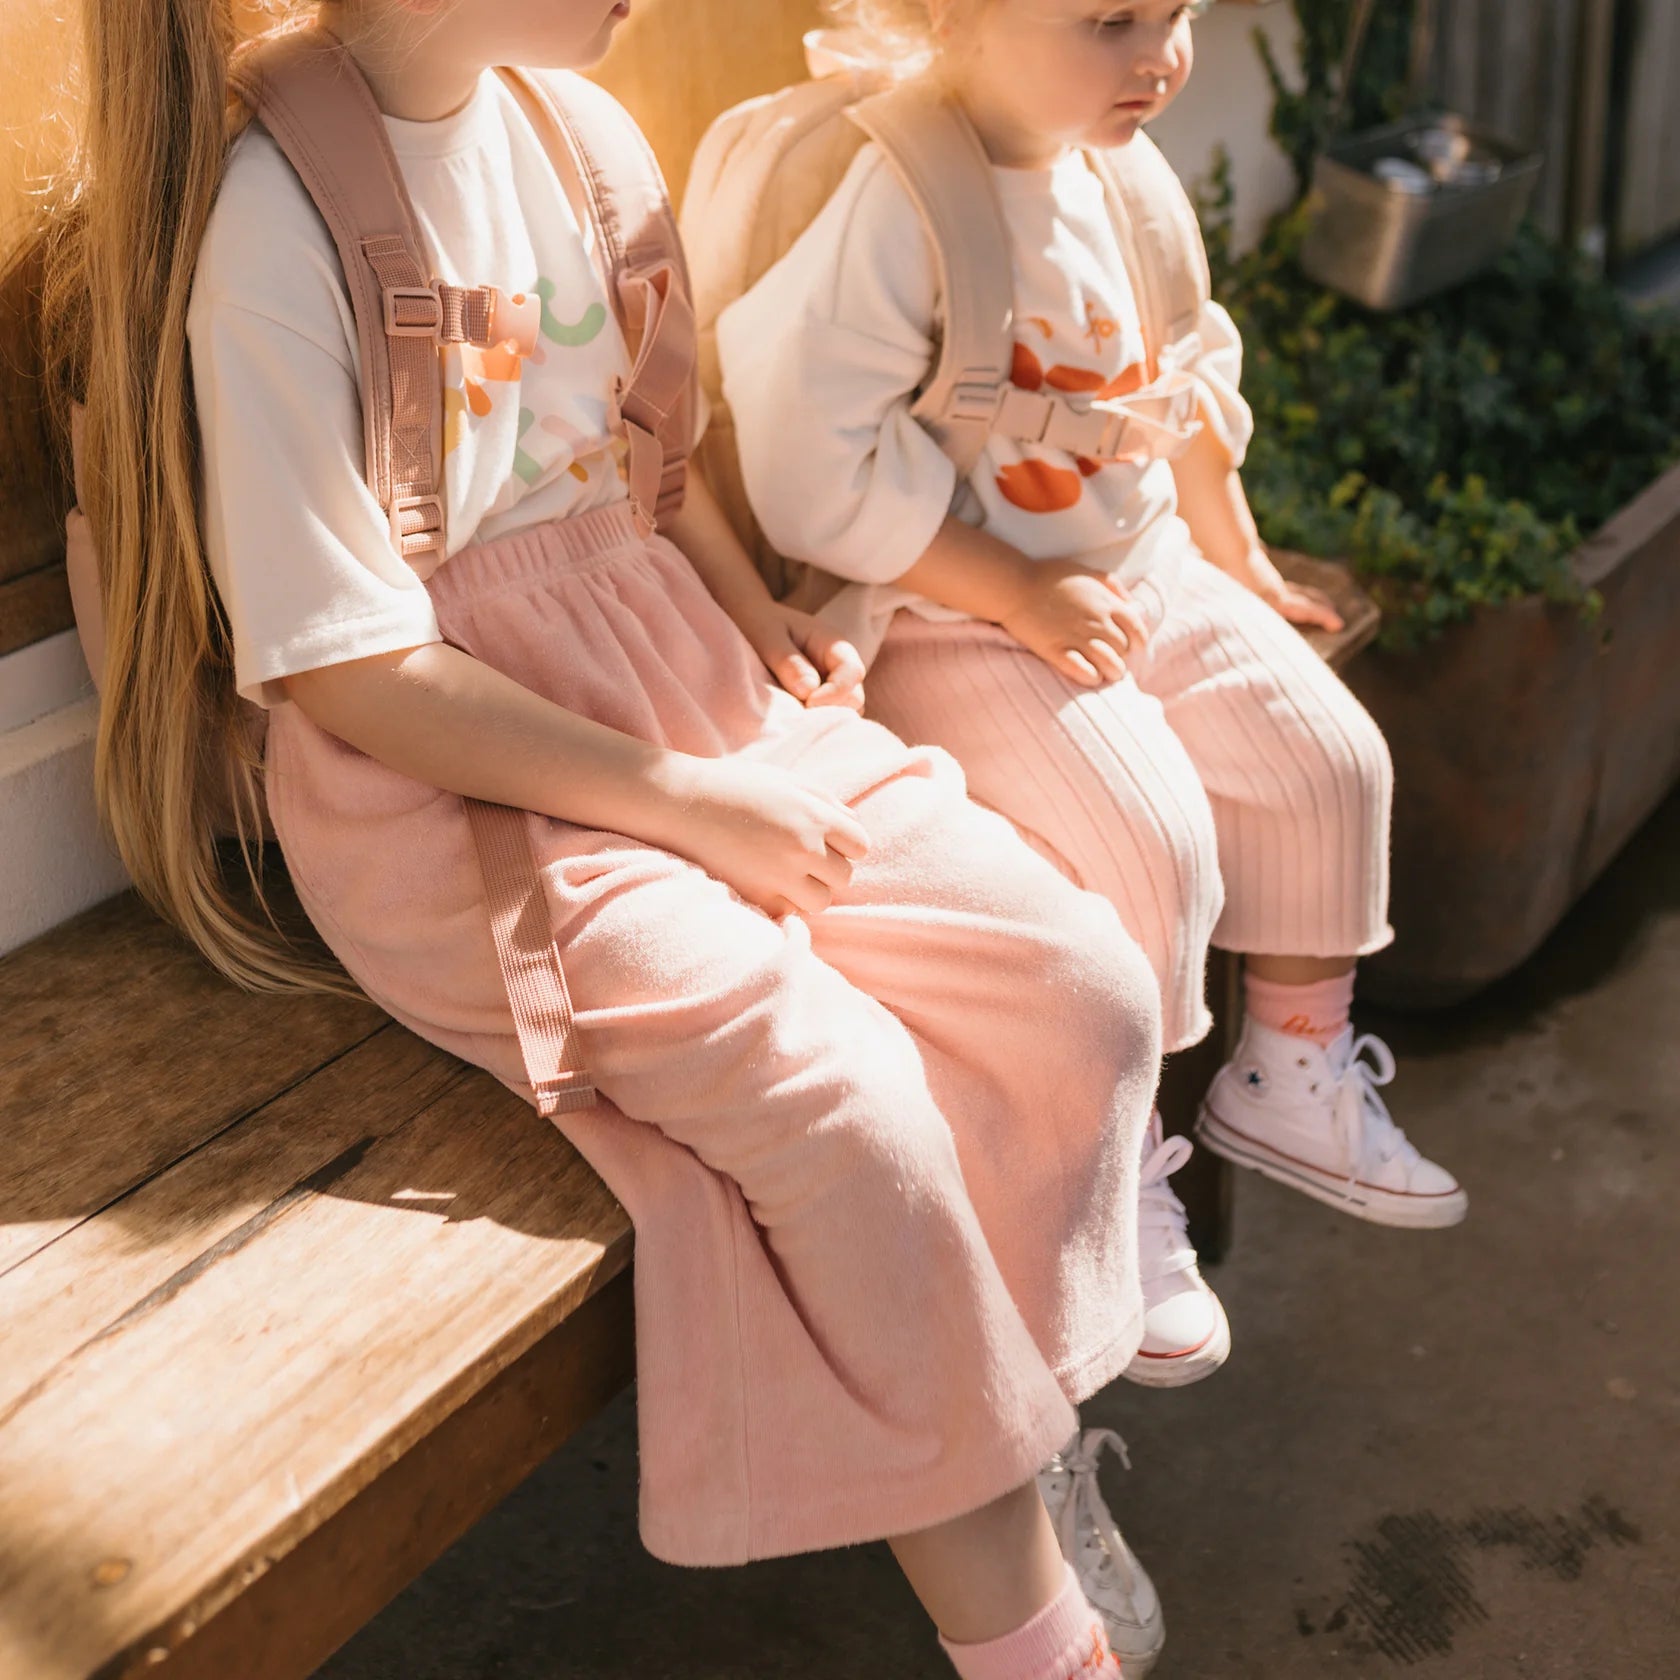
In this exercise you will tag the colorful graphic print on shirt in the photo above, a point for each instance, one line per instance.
(548, 444)
(1038, 486)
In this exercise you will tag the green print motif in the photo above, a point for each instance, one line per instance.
(527, 469)
(559, 332)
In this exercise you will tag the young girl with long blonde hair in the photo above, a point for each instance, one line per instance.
(872, 1075)
(1102, 643)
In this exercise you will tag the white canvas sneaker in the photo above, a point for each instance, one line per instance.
(1311, 1118)
(1108, 1570)
(1185, 1333)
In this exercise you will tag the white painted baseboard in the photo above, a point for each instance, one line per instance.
(55, 858)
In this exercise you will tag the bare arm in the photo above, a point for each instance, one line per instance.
(1079, 622)
(800, 652)
(1213, 503)
(447, 719)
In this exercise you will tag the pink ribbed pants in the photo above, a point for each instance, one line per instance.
(1230, 790)
(882, 1164)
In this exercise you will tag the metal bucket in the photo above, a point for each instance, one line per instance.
(1386, 244)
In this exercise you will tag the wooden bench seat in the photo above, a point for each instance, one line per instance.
(288, 1299)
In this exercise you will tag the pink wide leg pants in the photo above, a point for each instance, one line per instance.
(1230, 790)
(882, 1163)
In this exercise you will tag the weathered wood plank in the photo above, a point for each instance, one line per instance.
(122, 1052)
(33, 607)
(353, 1566)
(68, 1295)
(1361, 618)
(152, 1477)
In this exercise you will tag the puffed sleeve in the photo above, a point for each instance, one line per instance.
(1217, 370)
(821, 362)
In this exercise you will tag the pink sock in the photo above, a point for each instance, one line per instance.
(1064, 1641)
(1318, 1011)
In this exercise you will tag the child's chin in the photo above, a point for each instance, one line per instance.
(1118, 128)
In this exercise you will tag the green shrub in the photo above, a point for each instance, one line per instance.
(1454, 453)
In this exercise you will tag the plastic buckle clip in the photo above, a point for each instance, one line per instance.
(976, 401)
(410, 536)
(423, 297)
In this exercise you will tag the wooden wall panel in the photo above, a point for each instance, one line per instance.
(1649, 207)
(675, 68)
(35, 135)
(1507, 64)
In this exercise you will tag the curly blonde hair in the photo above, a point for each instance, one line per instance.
(899, 31)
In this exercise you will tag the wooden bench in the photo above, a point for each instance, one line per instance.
(288, 1300)
(1205, 1184)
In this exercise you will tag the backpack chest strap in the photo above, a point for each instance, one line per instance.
(419, 315)
(1155, 423)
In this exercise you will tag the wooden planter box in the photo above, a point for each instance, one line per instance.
(1529, 745)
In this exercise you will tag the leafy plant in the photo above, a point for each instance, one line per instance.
(1455, 453)
(1302, 115)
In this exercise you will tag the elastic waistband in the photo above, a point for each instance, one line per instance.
(556, 545)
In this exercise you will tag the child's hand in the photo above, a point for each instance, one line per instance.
(1300, 604)
(780, 843)
(1079, 622)
(808, 659)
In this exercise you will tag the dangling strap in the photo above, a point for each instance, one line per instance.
(530, 965)
(309, 94)
(609, 169)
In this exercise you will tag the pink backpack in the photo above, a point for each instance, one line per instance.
(764, 169)
(307, 92)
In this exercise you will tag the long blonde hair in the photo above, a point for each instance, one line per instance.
(121, 249)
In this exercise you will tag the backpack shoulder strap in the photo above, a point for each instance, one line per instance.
(1160, 238)
(942, 164)
(612, 172)
(307, 92)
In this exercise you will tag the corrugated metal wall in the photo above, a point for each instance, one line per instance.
(1517, 67)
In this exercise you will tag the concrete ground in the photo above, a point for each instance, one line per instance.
(1443, 1454)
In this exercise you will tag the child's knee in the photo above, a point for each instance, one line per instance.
(1100, 988)
(1352, 775)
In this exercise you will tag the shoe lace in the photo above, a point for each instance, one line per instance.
(1373, 1138)
(1163, 1230)
(1085, 1517)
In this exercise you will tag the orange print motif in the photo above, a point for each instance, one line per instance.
(498, 365)
(1124, 384)
(1039, 487)
(1075, 379)
(1099, 328)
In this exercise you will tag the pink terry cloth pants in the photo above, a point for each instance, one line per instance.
(882, 1164)
(1229, 790)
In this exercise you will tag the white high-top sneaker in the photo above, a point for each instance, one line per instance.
(1107, 1568)
(1185, 1333)
(1312, 1119)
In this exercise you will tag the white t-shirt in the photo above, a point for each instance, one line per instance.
(301, 553)
(823, 357)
